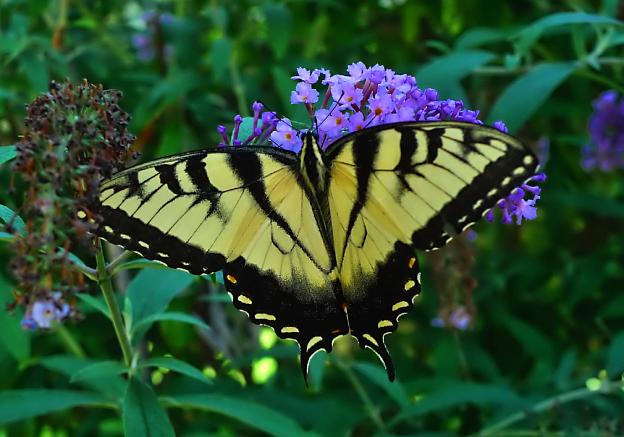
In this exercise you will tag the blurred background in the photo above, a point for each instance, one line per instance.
(510, 316)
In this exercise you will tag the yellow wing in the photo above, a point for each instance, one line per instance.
(396, 188)
(242, 210)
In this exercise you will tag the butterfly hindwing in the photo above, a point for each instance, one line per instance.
(396, 188)
(240, 210)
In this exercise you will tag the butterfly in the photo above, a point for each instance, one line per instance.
(320, 243)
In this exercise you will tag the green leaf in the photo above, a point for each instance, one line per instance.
(95, 302)
(7, 215)
(459, 394)
(615, 356)
(245, 129)
(101, 369)
(445, 72)
(220, 58)
(530, 34)
(377, 375)
(151, 291)
(526, 94)
(12, 336)
(533, 341)
(255, 415)
(178, 366)
(279, 23)
(285, 85)
(562, 376)
(112, 385)
(7, 153)
(451, 67)
(172, 317)
(165, 93)
(588, 203)
(614, 309)
(36, 69)
(72, 257)
(478, 36)
(142, 414)
(22, 404)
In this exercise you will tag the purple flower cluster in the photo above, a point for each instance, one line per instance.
(369, 96)
(606, 129)
(42, 313)
(366, 96)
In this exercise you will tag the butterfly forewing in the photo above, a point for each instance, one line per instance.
(240, 210)
(396, 188)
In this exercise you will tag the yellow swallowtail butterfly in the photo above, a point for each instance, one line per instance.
(317, 244)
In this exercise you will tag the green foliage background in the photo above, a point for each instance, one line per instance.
(546, 352)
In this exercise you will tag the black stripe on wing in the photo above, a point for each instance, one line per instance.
(367, 147)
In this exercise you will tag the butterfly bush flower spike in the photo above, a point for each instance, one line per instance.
(606, 129)
(370, 96)
(75, 135)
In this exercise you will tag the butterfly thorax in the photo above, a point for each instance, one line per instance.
(311, 165)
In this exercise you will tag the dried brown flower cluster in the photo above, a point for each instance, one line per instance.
(75, 135)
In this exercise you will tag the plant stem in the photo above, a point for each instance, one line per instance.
(69, 341)
(112, 266)
(373, 412)
(547, 404)
(596, 77)
(104, 281)
(238, 86)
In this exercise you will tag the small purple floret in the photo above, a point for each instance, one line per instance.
(459, 318)
(42, 313)
(285, 136)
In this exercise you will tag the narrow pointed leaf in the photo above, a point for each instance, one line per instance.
(169, 317)
(253, 414)
(7, 153)
(142, 414)
(177, 366)
(22, 404)
(102, 369)
(525, 95)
